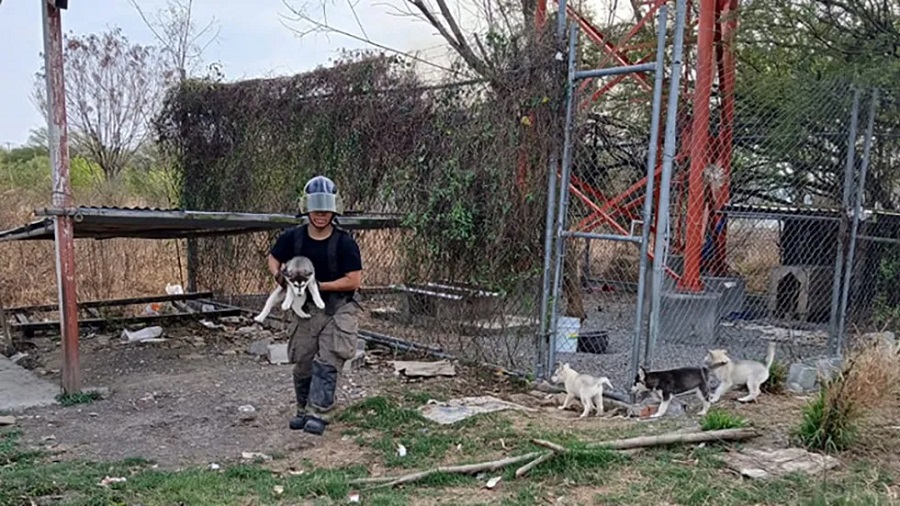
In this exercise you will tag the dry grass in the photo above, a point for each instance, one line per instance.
(867, 384)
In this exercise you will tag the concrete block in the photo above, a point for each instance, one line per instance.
(802, 378)
(689, 318)
(278, 353)
(828, 368)
(733, 291)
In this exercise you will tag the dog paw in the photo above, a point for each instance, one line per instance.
(257, 319)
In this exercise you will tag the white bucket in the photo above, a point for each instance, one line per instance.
(567, 328)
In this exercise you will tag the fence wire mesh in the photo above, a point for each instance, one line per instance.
(459, 269)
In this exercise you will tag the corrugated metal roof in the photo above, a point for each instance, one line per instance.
(154, 223)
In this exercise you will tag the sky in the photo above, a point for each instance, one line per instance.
(252, 41)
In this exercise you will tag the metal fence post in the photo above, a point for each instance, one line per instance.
(854, 227)
(57, 136)
(563, 197)
(647, 212)
(543, 333)
(660, 244)
(842, 229)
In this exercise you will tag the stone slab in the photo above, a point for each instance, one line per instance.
(21, 389)
(278, 353)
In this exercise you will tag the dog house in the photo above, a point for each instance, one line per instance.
(796, 293)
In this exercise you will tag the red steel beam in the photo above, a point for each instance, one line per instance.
(696, 216)
(599, 39)
(62, 195)
(728, 19)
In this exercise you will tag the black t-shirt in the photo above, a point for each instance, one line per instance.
(348, 255)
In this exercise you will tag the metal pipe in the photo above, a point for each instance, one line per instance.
(647, 212)
(854, 227)
(614, 71)
(62, 194)
(563, 198)
(602, 237)
(690, 278)
(561, 20)
(660, 244)
(842, 227)
(543, 333)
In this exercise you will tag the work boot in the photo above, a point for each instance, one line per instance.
(321, 397)
(301, 390)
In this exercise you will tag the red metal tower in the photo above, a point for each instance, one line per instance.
(702, 153)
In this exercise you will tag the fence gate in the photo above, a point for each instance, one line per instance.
(619, 239)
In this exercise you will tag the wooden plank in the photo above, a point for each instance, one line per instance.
(101, 323)
(117, 302)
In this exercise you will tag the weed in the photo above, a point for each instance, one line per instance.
(778, 374)
(828, 422)
(74, 398)
(717, 419)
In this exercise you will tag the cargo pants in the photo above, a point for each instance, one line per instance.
(318, 347)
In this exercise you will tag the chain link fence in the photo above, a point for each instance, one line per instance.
(763, 241)
(458, 268)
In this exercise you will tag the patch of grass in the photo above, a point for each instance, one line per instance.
(74, 398)
(828, 424)
(380, 413)
(778, 374)
(718, 419)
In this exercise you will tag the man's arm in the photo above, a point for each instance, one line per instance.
(349, 282)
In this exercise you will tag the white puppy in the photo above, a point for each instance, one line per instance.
(735, 373)
(586, 387)
(299, 276)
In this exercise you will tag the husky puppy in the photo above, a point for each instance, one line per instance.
(673, 382)
(588, 388)
(300, 277)
(735, 373)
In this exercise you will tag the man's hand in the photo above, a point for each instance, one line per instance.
(279, 278)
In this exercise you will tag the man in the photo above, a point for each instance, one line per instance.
(320, 345)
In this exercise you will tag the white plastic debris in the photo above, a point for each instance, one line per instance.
(493, 482)
(254, 456)
(354, 497)
(105, 482)
(148, 334)
(401, 450)
(175, 289)
(214, 467)
(278, 489)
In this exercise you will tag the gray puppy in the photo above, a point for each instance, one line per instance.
(673, 382)
(299, 276)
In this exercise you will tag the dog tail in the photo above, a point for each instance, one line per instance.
(770, 355)
(605, 381)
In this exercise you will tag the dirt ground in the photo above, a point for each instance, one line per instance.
(176, 403)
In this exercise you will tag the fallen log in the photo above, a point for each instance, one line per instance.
(461, 469)
(678, 438)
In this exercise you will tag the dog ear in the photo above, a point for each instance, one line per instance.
(641, 373)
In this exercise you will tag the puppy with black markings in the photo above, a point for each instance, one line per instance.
(670, 383)
(587, 388)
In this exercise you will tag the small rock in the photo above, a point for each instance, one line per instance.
(254, 456)
(259, 347)
(802, 377)
(103, 341)
(278, 489)
(229, 352)
(233, 320)
(103, 392)
(247, 330)
(7, 420)
(247, 413)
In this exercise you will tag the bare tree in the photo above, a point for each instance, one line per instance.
(180, 40)
(113, 89)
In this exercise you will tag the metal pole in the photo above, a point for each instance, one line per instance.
(660, 245)
(561, 20)
(842, 227)
(647, 214)
(563, 198)
(541, 338)
(62, 195)
(854, 228)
